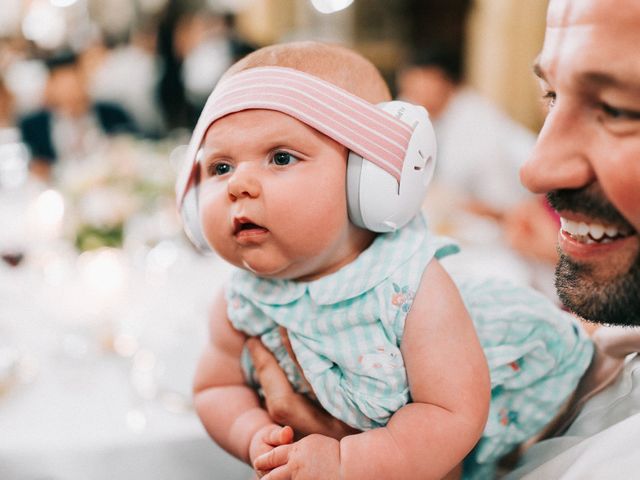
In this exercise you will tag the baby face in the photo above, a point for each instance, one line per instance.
(272, 197)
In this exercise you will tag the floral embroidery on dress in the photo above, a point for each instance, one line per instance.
(516, 365)
(237, 302)
(402, 297)
(387, 359)
(507, 417)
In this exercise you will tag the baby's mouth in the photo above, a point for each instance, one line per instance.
(244, 227)
(594, 232)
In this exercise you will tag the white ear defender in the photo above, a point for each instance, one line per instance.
(190, 211)
(392, 146)
(376, 200)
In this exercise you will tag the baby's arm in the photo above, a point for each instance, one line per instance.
(450, 388)
(230, 411)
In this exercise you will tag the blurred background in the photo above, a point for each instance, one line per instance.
(103, 301)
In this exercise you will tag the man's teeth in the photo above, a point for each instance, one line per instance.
(589, 231)
(611, 231)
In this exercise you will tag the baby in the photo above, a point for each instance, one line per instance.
(427, 370)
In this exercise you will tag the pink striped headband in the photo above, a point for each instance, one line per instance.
(351, 121)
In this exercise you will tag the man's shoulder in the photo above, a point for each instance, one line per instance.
(602, 440)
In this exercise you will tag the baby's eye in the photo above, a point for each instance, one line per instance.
(219, 168)
(283, 158)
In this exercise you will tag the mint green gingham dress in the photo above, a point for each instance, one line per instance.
(346, 329)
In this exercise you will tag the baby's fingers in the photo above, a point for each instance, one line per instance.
(275, 458)
(280, 436)
(280, 473)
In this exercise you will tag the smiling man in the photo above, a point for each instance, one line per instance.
(587, 156)
(587, 162)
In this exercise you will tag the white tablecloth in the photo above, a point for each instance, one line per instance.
(78, 410)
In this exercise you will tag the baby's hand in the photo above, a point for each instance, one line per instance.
(315, 457)
(265, 440)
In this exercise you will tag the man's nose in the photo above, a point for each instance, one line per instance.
(562, 156)
(244, 182)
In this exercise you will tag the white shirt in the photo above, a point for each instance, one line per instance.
(603, 441)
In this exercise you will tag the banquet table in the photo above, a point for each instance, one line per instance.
(90, 402)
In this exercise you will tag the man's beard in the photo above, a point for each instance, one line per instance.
(615, 301)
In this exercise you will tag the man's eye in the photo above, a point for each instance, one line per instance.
(283, 158)
(549, 98)
(218, 169)
(619, 113)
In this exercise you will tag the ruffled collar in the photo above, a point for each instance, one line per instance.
(369, 269)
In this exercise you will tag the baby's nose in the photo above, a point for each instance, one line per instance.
(244, 182)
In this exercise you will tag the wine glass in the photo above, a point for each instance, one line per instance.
(14, 160)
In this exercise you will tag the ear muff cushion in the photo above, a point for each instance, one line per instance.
(354, 171)
(375, 199)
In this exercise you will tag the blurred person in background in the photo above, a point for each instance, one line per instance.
(196, 47)
(480, 149)
(128, 74)
(70, 124)
(208, 44)
(476, 195)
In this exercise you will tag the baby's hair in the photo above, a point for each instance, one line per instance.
(336, 64)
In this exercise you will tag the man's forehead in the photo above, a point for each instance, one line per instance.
(583, 40)
(562, 13)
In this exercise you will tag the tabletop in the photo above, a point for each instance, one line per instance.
(103, 315)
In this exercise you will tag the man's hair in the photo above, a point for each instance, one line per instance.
(444, 57)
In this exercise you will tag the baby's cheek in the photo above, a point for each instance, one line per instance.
(212, 223)
(207, 222)
(322, 228)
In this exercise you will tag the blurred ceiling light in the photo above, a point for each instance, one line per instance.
(45, 25)
(331, 6)
(62, 3)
